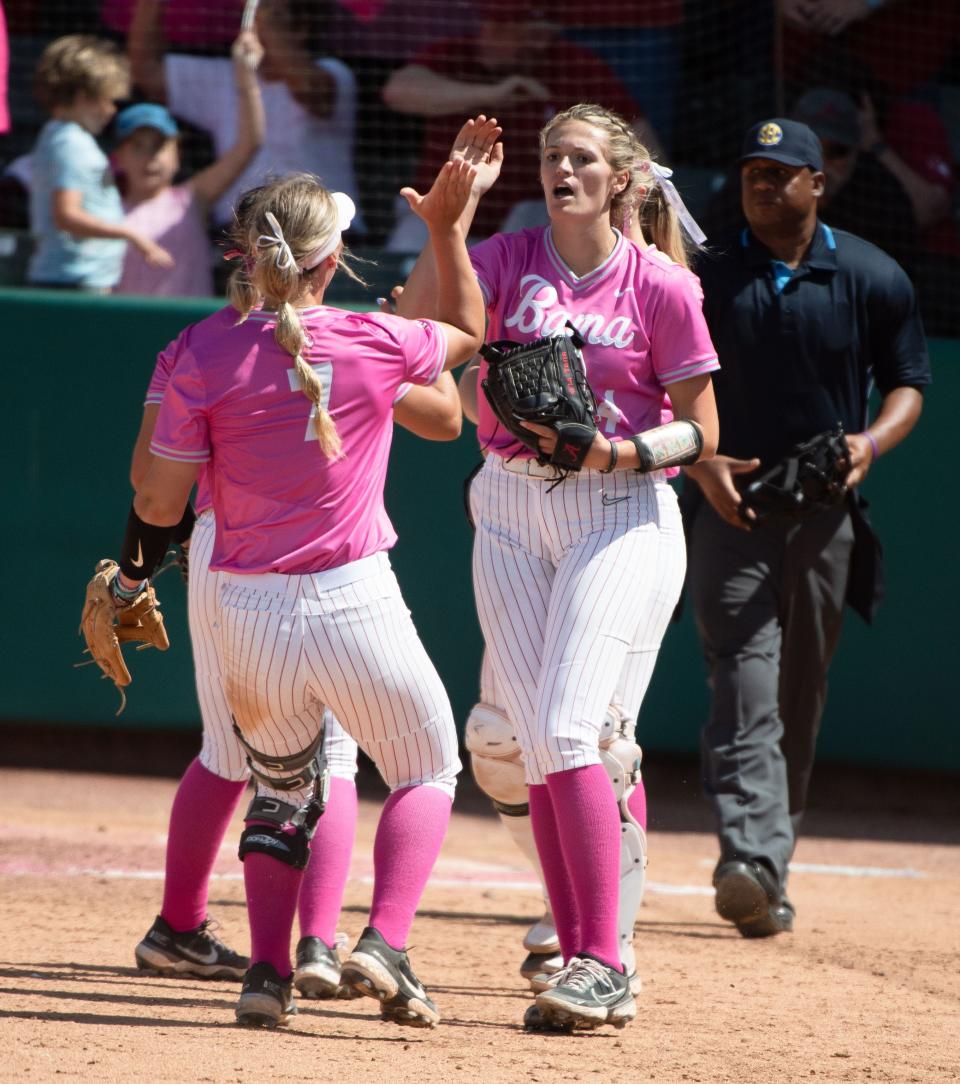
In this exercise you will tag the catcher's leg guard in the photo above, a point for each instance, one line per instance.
(289, 826)
(621, 756)
(498, 769)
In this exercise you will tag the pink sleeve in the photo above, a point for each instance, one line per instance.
(424, 348)
(680, 342)
(490, 260)
(166, 361)
(182, 430)
(695, 285)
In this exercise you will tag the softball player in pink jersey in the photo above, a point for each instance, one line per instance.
(181, 940)
(495, 756)
(309, 612)
(568, 576)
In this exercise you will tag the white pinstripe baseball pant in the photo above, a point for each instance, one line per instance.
(220, 752)
(568, 580)
(345, 639)
(631, 687)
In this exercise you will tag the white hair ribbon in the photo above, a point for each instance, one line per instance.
(663, 175)
(284, 257)
(346, 209)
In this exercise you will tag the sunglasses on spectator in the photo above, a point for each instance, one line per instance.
(835, 151)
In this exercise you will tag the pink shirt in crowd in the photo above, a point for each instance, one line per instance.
(640, 317)
(233, 401)
(175, 220)
(4, 74)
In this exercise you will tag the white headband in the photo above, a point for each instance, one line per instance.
(284, 257)
(346, 209)
(663, 175)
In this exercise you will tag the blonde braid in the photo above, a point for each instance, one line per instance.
(289, 334)
(278, 225)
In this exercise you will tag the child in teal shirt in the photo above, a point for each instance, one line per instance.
(76, 217)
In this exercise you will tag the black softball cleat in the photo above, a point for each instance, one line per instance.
(374, 969)
(266, 1000)
(198, 952)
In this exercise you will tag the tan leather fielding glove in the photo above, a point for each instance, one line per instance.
(108, 622)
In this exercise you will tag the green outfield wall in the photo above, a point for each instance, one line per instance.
(74, 373)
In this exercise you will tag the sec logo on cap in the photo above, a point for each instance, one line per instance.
(770, 135)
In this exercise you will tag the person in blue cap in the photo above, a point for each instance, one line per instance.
(76, 219)
(147, 158)
(806, 320)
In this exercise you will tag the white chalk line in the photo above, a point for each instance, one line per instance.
(518, 883)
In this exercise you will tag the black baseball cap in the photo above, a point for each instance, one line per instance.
(783, 140)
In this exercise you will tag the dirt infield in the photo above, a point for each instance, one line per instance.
(866, 989)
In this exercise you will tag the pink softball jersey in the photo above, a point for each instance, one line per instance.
(640, 316)
(233, 402)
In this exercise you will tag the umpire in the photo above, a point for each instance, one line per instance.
(805, 320)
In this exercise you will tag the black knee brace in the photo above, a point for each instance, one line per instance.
(292, 772)
(275, 838)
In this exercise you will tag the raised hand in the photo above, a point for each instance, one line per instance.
(247, 50)
(443, 205)
(478, 143)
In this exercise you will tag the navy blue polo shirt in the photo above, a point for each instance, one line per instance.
(800, 352)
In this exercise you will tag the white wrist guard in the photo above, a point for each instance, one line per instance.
(672, 445)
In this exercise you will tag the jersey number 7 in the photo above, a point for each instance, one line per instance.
(324, 370)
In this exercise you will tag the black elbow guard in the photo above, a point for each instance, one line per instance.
(672, 445)
(143, 547)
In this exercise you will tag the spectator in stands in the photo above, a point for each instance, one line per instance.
(4, 71)
(75, 213)
(375, 38)
(518, 69)
(146, 160)
(310, 105)
(892, 46)
(915, 145)
(640, 40)
(860, 195)
(186, 23)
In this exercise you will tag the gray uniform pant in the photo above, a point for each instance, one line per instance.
(768, 605)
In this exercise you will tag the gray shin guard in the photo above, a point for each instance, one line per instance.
(620, 757)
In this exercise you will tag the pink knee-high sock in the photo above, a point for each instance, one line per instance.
(325, 878)
(201, 812)
(546, 835)
(411, 830)
(588, 824)
(637, 804)
(272, 888)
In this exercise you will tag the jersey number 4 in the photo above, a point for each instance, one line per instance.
(325, 371)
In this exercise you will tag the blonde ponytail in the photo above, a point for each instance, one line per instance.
(661, 227)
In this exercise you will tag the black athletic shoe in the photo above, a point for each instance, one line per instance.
(748, 895)
(318, 969)
(374, 969)
(266, 1000)
(534, 1020)
(590, 994)
(195, 952)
